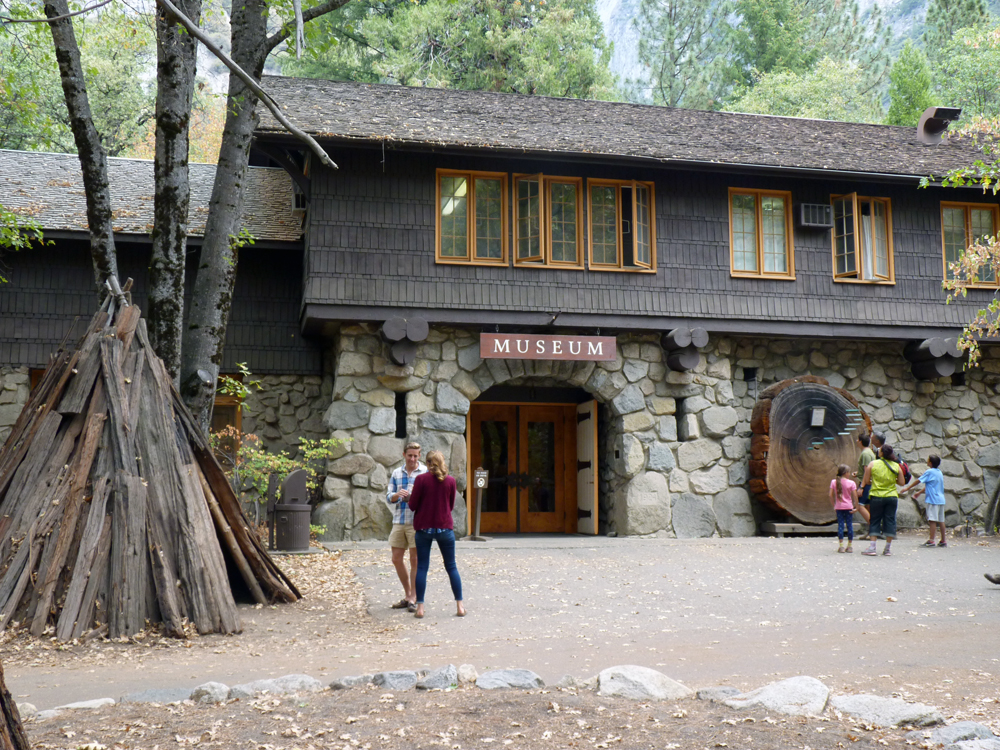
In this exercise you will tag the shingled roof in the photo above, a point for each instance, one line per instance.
(49, 188)
(477, 120)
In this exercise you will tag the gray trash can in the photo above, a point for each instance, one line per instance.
(291, 527)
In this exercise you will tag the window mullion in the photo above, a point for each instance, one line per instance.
(759, 215)
(859, 239)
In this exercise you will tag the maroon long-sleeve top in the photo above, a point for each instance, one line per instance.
(432, 502)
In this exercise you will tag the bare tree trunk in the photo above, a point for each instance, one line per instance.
(205, 331)
(175, 75)
(93, 160)
(205, 326)
(12, 736)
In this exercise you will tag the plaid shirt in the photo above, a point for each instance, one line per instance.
(400, 480)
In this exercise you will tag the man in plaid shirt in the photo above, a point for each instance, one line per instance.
(402, 536)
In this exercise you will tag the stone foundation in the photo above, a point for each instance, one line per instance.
(15, 383)
(674, 446)
(287, 408)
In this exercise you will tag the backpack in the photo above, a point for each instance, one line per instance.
(907, 476)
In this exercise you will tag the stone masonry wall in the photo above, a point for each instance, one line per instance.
(651, 483)
(959, 423)
(286, 408)
(15, 384)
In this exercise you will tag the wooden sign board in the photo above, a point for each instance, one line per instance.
(533, 346)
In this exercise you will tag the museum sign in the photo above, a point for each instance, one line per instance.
(532, 346)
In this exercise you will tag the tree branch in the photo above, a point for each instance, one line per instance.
(248, 80)
(5, 19)
(308, 15)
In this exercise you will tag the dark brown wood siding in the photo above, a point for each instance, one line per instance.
(50, 297)
(371, 243)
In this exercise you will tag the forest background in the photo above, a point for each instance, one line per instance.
(826, 59)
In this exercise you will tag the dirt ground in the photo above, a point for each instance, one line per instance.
(705, 612)
(462, 718)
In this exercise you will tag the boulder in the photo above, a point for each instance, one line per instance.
(710, 481)
(87, 705)
(734, 513)
(371, 518)
(27, 710)
(440, 679)
(383, 421)
(158, 695)
(796, 696)
(961, 731)
(886, 712)
(346, 683)
(210, 692)
(695, 454)
(643, 506)
(629, 400)
(467, 673)
(402, 679)
(719, 421)
(639, 683)
(433, 420)
(661, 458)
(336, 516)
(354, 463)
(290, 683)
(388, 451)
(693, 517)
(717, 694)
(450, 400)
(343, 415)
(497, 679)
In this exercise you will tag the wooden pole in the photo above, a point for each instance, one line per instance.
(12, 736)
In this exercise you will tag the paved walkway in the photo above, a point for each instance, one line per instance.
(705, 611)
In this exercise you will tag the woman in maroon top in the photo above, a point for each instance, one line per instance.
(432, 501)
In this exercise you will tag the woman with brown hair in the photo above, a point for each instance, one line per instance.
(432, 502)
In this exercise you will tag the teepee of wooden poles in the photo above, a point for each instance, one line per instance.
(12, 736)
(114, 512)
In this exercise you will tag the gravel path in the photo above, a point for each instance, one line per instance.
(743, 612)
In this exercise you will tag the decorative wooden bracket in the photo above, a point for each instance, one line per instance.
(403, 335)
(933, 358)
(682, 345)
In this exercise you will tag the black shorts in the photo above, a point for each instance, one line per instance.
(863, 500)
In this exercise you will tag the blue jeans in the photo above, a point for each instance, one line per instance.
(446, 543)
(845, 518)
(883, 521)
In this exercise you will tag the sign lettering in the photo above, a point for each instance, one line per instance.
(535, 346)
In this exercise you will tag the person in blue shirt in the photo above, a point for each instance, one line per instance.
(933, 484)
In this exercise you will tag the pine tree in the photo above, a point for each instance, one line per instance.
(909, 87)
(945, 18)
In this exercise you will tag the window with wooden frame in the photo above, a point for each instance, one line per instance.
(965, 224)
(621, 219)
(862, 239)
(471, 217)
(548, 216)
(227, 419)
(760, 233)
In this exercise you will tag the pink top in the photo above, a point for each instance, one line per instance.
(844, 502)
(432, 502)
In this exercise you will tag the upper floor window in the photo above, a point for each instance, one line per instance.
(471, 217)
(965, 224)
(862, 239)
(621, 225)
(760, 233)
(547, 221)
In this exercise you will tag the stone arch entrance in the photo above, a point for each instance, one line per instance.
(649, 481)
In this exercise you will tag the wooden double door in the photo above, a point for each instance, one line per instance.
(530, 451)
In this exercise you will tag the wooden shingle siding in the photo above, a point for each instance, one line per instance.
(378, 251)
(50, 296)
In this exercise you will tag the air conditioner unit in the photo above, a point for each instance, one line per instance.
(815, 215)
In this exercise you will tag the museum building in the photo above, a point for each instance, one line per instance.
(586, 299)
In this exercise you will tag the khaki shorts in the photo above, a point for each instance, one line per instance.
(402, 536)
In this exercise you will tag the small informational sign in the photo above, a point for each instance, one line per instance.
(818, 416)
(481, 479)
(535, 346)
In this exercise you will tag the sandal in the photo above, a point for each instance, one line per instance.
(402, 604)
(929, 544)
